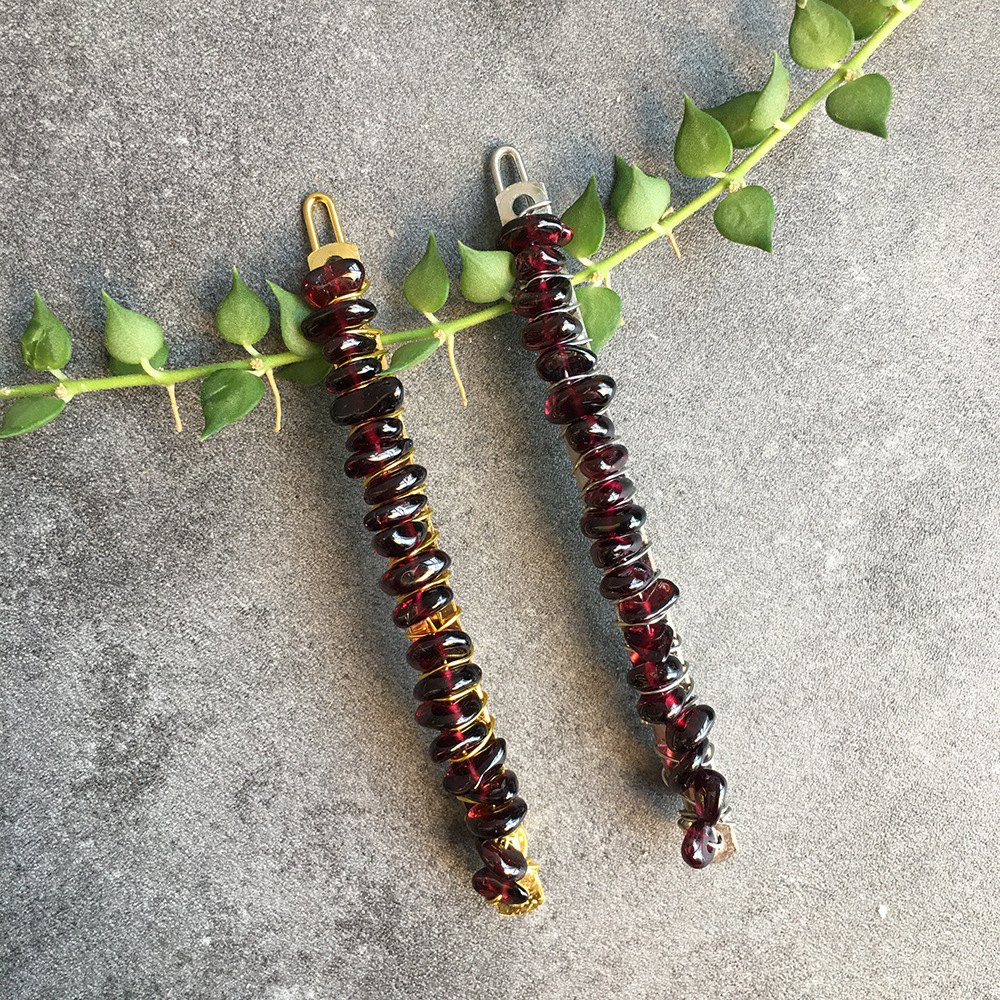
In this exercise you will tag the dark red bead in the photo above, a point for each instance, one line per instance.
(348, 345)
(463, 776)
(690, 728)
(397, 540)
(565, 362)
(628, 579)
(657, 637)
(347, 314)
(589, 432)
(365, 463)
(681, 770)
(550, 331)
(607, 552)
(447, 682)
(537, 260)
(487, 884)
(421, 605)
(496, 790)
(377, 399)
(549, 292)
(455, 742)
(407, 575)
(395, 512)
(352, 374)
(707, 792)
(449, 714)
(432, 651)
(621, 521)
(506, 862)
(571, 400)
(490, 824)
(608, 494)
(649, 676)
(656, 598)
(374, 433)
(394, 483)
(701, 841)
(338, 276)
(607, 460)
(537, 229)
(662, 707)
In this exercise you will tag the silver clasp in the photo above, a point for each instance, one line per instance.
(521, 188)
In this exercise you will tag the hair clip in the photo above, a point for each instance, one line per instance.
(578, 397)
(452, 700)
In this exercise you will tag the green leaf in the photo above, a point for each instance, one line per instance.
(293, 310)
(773, 99)
(45, 344)
(158, 360)
(228, 395)
(129, 336)
(426, 286)
(601, 311)
(865, 15)
(862, 104)
(747, 216)
(623, 183)
(735, 117)
(644, 203)
(703, 146)
(820, 35)
(411, 354)
(487, 275)
(30, 413)
(312, 371)
(586, 218)
(242, 318)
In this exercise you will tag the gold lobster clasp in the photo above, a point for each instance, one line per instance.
(321, 253)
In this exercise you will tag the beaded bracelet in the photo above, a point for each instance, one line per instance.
(451, 697)
(577, 399)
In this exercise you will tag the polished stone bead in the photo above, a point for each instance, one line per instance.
(621, 521)
(571, 400)
(607, 460)
(365, 463)
(377, 399)
(707, 792)
(335, 319)
(349, 345)
(621, 581)
(394, 483)
(549, 292)
(589, 432)
(376, 432)
(338, 276)
(662, 707)
(648, 676)
(609, 494)
(682, 770)
(547, 332)
(407, 575)
(565, 362)
(455, 742)
(421, 605)
(432, 651)
(395, 512)
(493, 888)
(449, 714)
(490, 824)
(463, 776)
(652, 601)
(355, 373)
(506, 862)
(537, 229)
(613, 551)
(700, 843)
(399, 539)
(496, 790)
(655, 638)
(690, 728)
(447, 682)
(538, 260)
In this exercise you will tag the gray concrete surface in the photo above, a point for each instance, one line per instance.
(212, 785)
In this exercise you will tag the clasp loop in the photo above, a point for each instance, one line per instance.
(533, 191)
(322, 253)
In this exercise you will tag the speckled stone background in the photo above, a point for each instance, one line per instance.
(212, 785)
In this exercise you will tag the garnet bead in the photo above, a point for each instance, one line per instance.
(608, 494)
(504, 862)
(338, 276)
(656, 637)
(432, 651)
(421, 605)
(701, 842)
(707, 792)
(491, 824)
(628, 579)
(346, 314)
(690, 728)
(652, 601)
(540, 228)
(417, 571)
(648, 676)
(367, 462)
(348, 345)
(454, 743)
(572, 400)
(375, 432)
(565, 362)
(607, 460)
(589, 432)
(537, 260)
(449, 714)
(602, 524)
(662, 707)
(395, 511)
(547, 293)
(463, 776)
(448, 683)
(399, 539)
(613, 551)
(551, 331)
(394, 483)
(499, 788)
(680, 771)
(377, 399)
(352, 374)
(496, 890)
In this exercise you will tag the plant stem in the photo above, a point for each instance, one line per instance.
(264, 362)
(452, 326)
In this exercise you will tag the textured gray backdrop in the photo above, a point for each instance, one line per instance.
(212, 785)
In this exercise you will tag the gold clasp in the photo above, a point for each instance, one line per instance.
(321, 253)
